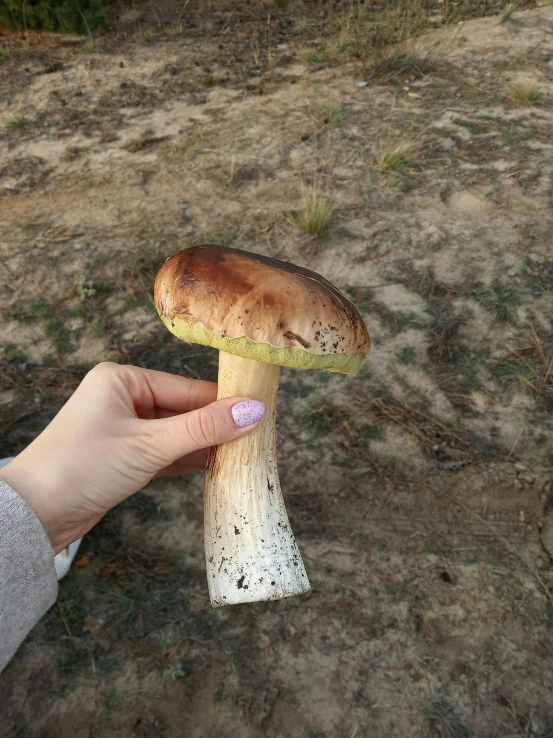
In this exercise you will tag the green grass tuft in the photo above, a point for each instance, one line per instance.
(312, 56)
(497, 299)
(314, 218)
(334, 115)
(19, 121)
(99, 327)
(395, 158)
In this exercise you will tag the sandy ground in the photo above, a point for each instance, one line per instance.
(419, 491)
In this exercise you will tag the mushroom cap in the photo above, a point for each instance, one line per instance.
(260, 308)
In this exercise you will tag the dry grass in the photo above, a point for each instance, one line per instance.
(449, 449)
(370, 32)
(507, 14)
(531, 364)
(314, 217)
(444, 339)
(526, 94)
(395, 157)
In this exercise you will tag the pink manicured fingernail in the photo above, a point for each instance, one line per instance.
(279, 438)
(247, 412)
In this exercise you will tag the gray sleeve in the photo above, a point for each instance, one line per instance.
(28, 583)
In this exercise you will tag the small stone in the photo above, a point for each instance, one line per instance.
(519, 484)
(520, 467)
(529, 479)
(521, 516)
(361, 83)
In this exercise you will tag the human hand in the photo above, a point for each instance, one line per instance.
(122, 427)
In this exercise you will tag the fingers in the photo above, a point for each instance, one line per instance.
(195, 462)
(152, 393)
(179, 394)
(169, 439)
(176, 394)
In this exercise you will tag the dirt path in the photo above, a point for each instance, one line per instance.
(419, 492)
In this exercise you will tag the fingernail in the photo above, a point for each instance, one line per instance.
(247, 412)
(278, 438)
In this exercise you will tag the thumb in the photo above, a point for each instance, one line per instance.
(221, 421)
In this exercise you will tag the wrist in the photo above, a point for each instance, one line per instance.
(30, 487)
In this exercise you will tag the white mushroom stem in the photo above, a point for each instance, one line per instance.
(251, 553)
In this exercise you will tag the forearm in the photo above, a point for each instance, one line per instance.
(28, 583)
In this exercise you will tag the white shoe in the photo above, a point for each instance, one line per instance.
(64, 559)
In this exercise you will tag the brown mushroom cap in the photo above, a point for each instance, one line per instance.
(260, 308)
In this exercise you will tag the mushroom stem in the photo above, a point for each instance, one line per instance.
(251, 553)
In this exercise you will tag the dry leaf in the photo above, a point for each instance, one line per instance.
(91, 625)
(109, 569)
(82, 561)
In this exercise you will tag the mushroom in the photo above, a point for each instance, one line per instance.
(261, 314)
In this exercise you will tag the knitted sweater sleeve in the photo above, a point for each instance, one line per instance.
(28, 583)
